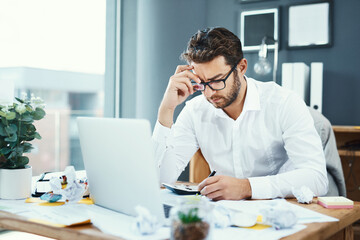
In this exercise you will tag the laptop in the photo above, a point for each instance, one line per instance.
(120, 164)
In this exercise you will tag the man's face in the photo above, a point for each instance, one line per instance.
(214, 70)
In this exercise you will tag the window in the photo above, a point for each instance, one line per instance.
(56, 50)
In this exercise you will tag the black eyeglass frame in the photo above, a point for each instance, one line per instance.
(219, 80)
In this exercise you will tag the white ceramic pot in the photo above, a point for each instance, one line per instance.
(15, 183)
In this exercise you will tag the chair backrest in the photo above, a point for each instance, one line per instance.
(333, 161)
(199, 168)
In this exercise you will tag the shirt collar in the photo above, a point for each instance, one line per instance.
(252, 100)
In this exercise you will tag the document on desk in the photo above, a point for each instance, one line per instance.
(304, 215)
(60, 216)
(121, 225)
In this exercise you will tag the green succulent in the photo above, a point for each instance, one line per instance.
(17, 130)
(190, 216)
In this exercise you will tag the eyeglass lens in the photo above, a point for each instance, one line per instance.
(216, 85)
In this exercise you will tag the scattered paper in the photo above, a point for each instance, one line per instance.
(120, 225)
(61, 216)
(303, 194)
(145, 223)
(304, 215)
(280, 216)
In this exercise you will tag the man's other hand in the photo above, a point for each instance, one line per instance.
(225, 188)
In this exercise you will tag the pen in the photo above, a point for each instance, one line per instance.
(212, 173)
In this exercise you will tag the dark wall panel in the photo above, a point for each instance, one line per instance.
(341, 86)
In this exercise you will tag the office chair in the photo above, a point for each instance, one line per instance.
(199, 168)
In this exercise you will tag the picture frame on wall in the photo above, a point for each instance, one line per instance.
(310, 25)
(257, 24)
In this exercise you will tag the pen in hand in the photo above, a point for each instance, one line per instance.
(212, 173)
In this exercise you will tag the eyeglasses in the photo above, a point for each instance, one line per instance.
(215, 85)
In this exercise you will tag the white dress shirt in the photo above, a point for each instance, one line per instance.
(273, 142)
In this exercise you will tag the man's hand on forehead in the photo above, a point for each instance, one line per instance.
(181, 68)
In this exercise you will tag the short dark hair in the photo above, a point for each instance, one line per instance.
(209, 43)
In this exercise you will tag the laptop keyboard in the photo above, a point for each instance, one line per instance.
(167, 210)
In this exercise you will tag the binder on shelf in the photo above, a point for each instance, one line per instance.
(295, 77)
(301, 81)
(316, 88)
(287, 76)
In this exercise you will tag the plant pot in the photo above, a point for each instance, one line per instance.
(190, 231)
(15, 183)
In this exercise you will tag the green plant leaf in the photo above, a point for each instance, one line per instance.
(5, 150)
(37, 136)
(11, 144)
(29, 138)
(27, 118)
(190, 217)
(2, 114)
(3, 120)
(12, 155)
(11, 129)
(28, 148)
(23, 130)
(28, 108)
(19, 100)
(2, 143)
(12, 138)
(2, 131)
(3, 161)
(31, 128)
(10, 116)
(21, 161)
(38, 114)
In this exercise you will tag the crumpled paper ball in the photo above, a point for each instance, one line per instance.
(221, 216)
(278, 216)
(73, 192)
(145, 223)
(303, 194)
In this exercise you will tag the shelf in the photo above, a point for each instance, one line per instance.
(346, 129)
(347, 153)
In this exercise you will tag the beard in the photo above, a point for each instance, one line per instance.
(225, 101)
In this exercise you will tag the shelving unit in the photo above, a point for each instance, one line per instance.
(345, 153)
(350, 159)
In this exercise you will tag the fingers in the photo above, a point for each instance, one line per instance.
(214, 190)
(216, 196)
(183, 84)
(190, 75)
(183, 90)
(181, 68)
(210, 189)
(208, 181)
(185, 78)
(185, 69)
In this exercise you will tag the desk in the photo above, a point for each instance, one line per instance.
(350, 159)
(329, 230)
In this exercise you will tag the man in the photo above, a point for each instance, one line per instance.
(259, 137)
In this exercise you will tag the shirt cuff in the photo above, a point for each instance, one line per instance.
(260, 188)
(160, 132)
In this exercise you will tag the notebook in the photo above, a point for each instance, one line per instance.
(120, 165)
(335, 202)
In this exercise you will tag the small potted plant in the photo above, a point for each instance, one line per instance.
(16, 132)
(189, 221)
